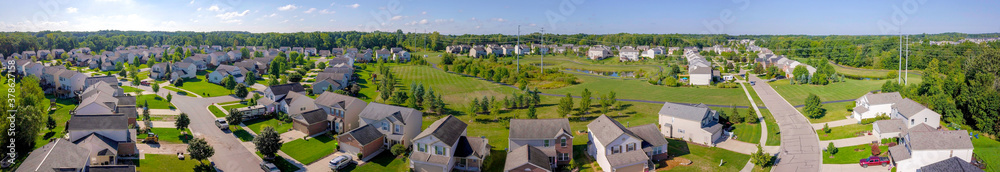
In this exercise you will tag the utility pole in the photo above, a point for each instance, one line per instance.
(899, 66)
(517, 55)
(542, 64)
(906, 77)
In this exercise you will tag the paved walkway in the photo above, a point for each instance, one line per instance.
(867, 139)
(169, 149)
(736, 146)
(854, 168)
(292, 135)
(160, 111)
(763, 131)
(836, 123)
(799, 142)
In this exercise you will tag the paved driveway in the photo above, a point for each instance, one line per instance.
(230, 155)
(799, 143)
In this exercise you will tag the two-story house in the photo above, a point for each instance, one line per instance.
(628, 55)
(915, 113)
(159, 70)
(343, 111)
(918, 149)
(697, 123)
(183, 70)
(552, 136)
(72, 82)
(277, 93)
(614, 147)
(872, 105)
(527, 158)
(445, 147)
(224, 71)
(399, 124)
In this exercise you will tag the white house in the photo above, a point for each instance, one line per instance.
(653, 52)
(628, 55)
(399, 124)
(445, 147)
(918, 149)
(181, 70)
(598, 53)
(915, 113)
(698, 123)
(614, 147)
(224, 71)
(872, 105)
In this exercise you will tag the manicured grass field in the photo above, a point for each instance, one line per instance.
(563, 61)
(385, 161)
(848, 155)
(61, 115)
(155, 101)
(745, 132)
(308, 151)
(202, 87)
(834, 112)
(172, 135)
(773, 138)
(257, 125)
(843, 132)
(143, 75)
(642, 90)
(453, 87)
(216, 111)
(243, 135)
(850, 89)
(988, 150)
(172, 88)
(706, 158)
(129, 89)
(156, 162)
(364, 80)
(233, 106)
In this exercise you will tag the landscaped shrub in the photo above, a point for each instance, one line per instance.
(398, 149)
(872, 120)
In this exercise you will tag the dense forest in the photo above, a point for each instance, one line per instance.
(960, 81)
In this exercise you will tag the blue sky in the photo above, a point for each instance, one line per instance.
(853, 17)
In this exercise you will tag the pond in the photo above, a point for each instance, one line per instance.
(627, 74)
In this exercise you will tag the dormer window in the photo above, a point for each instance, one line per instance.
(630, 147)
(546, 143)
(616, 149)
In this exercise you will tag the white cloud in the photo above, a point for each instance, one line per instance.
(531, 24)
(272, 15)
(310, 10)
(230, 15)
(334, 3)
(192, 2)
(499, 19)
(232, 21)
(71, 10)
(477, 27)
(287, 7)
(424, 21)
(214, 8)
(473, 19)
(425, 12)
(199, 8)
(325, 11)
(301, 19)
(354, 5)
(397, 17)
(286, 21)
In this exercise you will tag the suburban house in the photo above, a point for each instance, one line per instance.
(952, 164)
(444, 146)
(398, 124)
(698, 123)
(653, 143)
(278, 92)
(199, 60)
(183, 70)
(915, 113)
(598, 53)
(217, 58)
(159, 70)
(330, 80)
(653, 52)
(365, 140)
(311, 122)
(401, 56)
(296, 103)
(343, 111)
(614, 147)
(895, 128)
(477, 52)
(551, 136)
(224, 71)
(88, 155)
(872, 105)
(383, 54)
(527, 158)
(700, 70)
(919, 149)
(72, 82)
(628, 55)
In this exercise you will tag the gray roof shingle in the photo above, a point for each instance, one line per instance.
(66, 155)
(883, 98)
(447, 129)
(953, 164)
(649, 134)
(607, 130)
(377, 111)
(365, 134)
(98, 122)
(940, 140)
(311, 117)
(908, 107)
(538, 128)
(524, 155)
(693, 113)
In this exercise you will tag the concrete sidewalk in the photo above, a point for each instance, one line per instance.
(160, 111)
(854, 168)
(836, 123)
(737, 146)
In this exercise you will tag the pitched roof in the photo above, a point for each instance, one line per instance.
(607, 130)
(331, 99)
(126, 100)
(66, 155)
(883, 98)
(98, 145)
(68, 74)
(285, 88)
(128, 111)
(908, 107)
(365, 134)
(471, 146)
(97, 122)
(693, 113)
(953, 164)
(538, 128)
(526, 154)
(111, 168)
(111, 80)
(447, 129)
(940, 140)
(649, 135)
(625, 158)
(311, 117)
(378, 111)
(891, 125)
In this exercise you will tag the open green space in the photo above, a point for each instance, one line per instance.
(201, 86)
(834, 112)
(309, 151)
(364, 80)
(257, 125)
(154, 101)
(130, 90)
(706, 158)
(227, 107)
(609, 64)
(852, 154)
(60, 114)
(385, 161)
(453, 87)
(216, 111)
(988, 150)
(642, 90)
(243, 135)
(179, 91)
(157, 162)
(773, 131)
(172, 135)
(843, 132)
(746, 132)
(850, 89)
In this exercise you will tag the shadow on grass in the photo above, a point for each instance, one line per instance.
(243, 135)
(678, 147)
(383, 159)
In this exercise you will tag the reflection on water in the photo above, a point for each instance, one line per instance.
(628, 74)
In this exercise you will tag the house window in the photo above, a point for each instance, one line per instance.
(630, 147)
(657, 150)
(439, 150)
(396, 129)
(562, 142)
(911, 121)
(680, 130)
(563, 156)
(546, 143)
(462, 163)
(616, 149)
(421, 147)
(385, 126)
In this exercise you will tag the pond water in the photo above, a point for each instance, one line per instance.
(627, 74)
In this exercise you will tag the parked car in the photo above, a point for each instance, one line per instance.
(221, 123)
(341, 161)
(874, 161)
(269, 167)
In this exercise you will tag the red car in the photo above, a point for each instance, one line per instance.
(874, 161)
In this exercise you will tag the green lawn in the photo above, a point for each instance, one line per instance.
(202, 87)
(642, 90)
(216, 111)
(988, 150)
(773, 131)
(60, 114)
(834, 112)
(385, 162)
(364, 79)
(706, 158)
(130, 90)
(851, 89)
(453, 87)
(156, 162)
(143, 75)
(563, 61)
(745, 132)
(257, 125)
(155, 101)
(243, 135)
(172, 135)
(223, 103)
(233, 106)
(172, 88)
(280, 161)
(851, 154)
(309, 151)
(843, 132)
